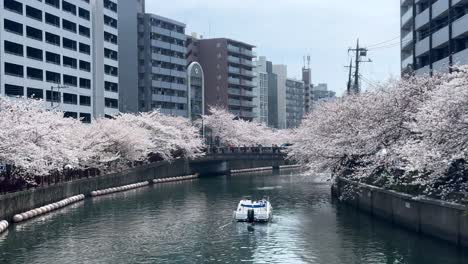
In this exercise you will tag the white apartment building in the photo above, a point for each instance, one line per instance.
(64, 52)
(434, 35)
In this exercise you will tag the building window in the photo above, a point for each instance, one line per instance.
(34, 33)
(13, 5)
(110, 70)
(14, 69)
(85, 48)
(55, 96)
(85, 100)
(34, 74)
(85, 66)
(73, 115)
(110, 37)
(34, 13)
(69, 62)
(85, 83)
(52, 39)
(68, 25)
(13, 27)
(54, 3)
(34, 93)
(14, 90)
(52, 58)
(83, 13)
(68, 7)
(70, 99)
(84, 31)
(110, 5)
(13, 48)
(52, 20)
(85, 118)
(53, 77)
(69, 44)
(111, 103)
(33, 53)
(70, 80)
(110, 21)
(110, 54)
(110, 86)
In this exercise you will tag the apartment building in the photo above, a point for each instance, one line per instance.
(162, 81)
(64, 52)
(295, 93)
(281, 72)
(433, 35)
(320, 93)
(228, 67)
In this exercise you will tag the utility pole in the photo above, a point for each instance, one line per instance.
(350, 78)
(360, 52)
(52, 94)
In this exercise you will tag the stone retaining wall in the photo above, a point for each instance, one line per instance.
(443, 220)
(13, 203)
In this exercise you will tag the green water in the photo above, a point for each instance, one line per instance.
(190, 222)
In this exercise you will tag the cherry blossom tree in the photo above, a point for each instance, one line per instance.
(406, 135)
(238, 132)
(39, 142)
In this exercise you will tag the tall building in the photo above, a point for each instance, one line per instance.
(281, 72)
(129, 12)
(272, 96)
(228, 68)
(261, 91)
(162, 80)
(295, 92)
(46, 45)
(433, 35)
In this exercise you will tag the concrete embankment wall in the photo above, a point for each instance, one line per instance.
(446, 221)
(14, 203)
(18, 202)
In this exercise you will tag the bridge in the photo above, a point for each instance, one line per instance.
(223, 160)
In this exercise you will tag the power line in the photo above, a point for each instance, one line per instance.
(383, 42)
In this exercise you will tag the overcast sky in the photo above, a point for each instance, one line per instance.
(286, 30)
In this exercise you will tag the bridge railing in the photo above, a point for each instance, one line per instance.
(237, 150)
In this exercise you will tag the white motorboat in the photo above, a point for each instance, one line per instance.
(254, 211)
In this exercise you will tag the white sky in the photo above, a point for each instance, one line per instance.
(286, 30)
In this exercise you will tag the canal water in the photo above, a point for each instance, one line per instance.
(191, 222)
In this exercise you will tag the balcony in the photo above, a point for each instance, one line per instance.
(459, 26)
(407, 40)
(247, 93)
(247, 62)
(422, 19)
(422, 46)
(406, 17)
(248, 73)
(248, 83)
(234, 91)
(247, 114)
(234, 70)
(234, 49)
(439, 8)
(234, 102)
(440, 37)
(441, 66)
(234, 80)
(234, 59)
(248, 104)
